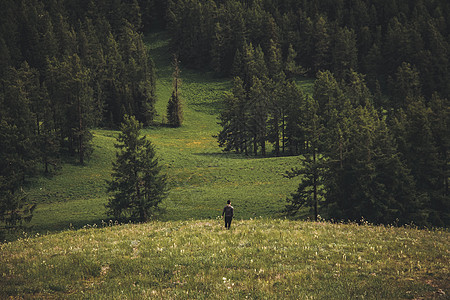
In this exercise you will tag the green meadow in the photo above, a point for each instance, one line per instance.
(202, 177)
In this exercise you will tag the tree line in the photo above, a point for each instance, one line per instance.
(371, 37)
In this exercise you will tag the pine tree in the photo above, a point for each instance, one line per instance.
(329, 96)
(440, 128)
(345, 53)
(218, 49)
(258, 115)
(413, 129)
(83, 105)
(406, 86)
(310, 191)
(174, 108)
(137, 185)
(365, 176)
(14, 205)
(293, 101)
(18, 153)
(291, 68)
(321, 41)
(234, 119)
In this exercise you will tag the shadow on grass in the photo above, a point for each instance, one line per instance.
(214, 107)
(107, 221)
(234, 155)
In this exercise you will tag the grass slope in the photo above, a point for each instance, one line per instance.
(202, 177)
(256, 259)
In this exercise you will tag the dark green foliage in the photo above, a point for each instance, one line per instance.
(137, 185)
(234, 120)
(65, 67)
(310, 191)
(15, 164)
(292, 108)
(365, 176)
(104, 35)
(262, 105)
(344, 54)
(369, 36)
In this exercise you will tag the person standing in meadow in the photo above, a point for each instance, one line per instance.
(228, 212)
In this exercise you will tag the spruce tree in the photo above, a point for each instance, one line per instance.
(18, 153)
(321, 40)
(234, 135)
(174, 108)
(293, 101)
(440, 128)
(345, 52)
(291, 68)
(137, 185)
(310, 191)
(14, 205)
(259, 102)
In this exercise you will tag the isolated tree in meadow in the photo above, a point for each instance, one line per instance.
(137, 185)
(174, 109)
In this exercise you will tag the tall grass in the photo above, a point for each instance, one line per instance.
(257, 259)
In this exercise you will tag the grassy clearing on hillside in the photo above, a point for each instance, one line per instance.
(262, 258)
(202, 177)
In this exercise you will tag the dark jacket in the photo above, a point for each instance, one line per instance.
(228, 211)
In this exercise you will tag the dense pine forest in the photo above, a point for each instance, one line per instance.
(374, 134)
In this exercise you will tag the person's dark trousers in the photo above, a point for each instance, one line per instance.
(228, 222)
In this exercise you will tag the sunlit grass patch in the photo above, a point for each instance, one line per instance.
(257, 258)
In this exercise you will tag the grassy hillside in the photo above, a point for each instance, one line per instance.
(202, 177)
(256, 259)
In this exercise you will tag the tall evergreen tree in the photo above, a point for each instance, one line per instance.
(174, 108)
(440, 128)
(344, 54)
(310, 191)
(321, 39)
(137, 185)
(14, 206)
(413, 129)
(258, 116)
(234, 120)
(293, 101)
(406, 86)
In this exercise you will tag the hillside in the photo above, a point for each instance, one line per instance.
(256, 259)
(201, 176)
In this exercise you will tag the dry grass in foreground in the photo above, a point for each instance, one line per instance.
(259, 258)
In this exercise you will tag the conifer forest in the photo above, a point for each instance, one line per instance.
(373, 134)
